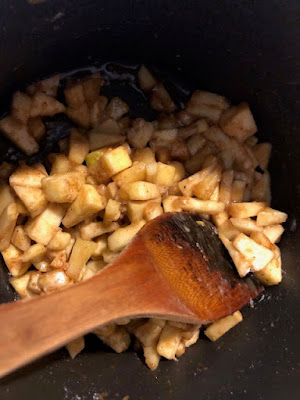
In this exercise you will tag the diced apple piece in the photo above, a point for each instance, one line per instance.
(8, 219)
(13, 260)
(53, 280)
(145, 155)
(79, 147)
(91, 87)
(152, 210)
(135, 209)
(179, 170)
(238, 190)
(245, 225)
(81, 115)
(179, 151)
(19, 135)
(205, 188)
(42, 228)
(151, 172)
(20, 107)
(6, 196)
(94, 156)
(274, 232)
(133, 174)
(81, 253)
(269, 216)
(146, 79)
(33, 199)
(186, 185)
(165, 174)
(34, 252)
(116, 108)
(44, 105)
(220, 327)
(101, 246)
(75, 347)
(195, 163)
(36, 128)
(271, 274)
(92, 268)
(206, 105)
(140, 133)
(105, 135)
(62, 188)
(261, 191)
(139, 191)
(20, 285)
(111, 190)
(238, 122)
(112, 162)
(59, 241)
(228, 230)
(91, 230)
(74, 94)
(87, 203)
(258, 255)
(243, 266)
(194, 131)
(20, 239)
(208, 98)
(60, 164)
(97, 111)
(200, 206)
(112, 211)
(168, 342)
(28, 177)
(161, 100)
(171, 204)
(246, 209)
(123, 236)
(262, 153)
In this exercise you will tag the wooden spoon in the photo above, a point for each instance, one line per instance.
(175, 268)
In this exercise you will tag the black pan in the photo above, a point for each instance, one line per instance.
(246, 50)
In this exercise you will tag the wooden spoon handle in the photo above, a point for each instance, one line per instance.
(32, 328)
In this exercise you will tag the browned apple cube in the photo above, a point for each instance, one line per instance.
(116, 108)
(62, 188)
(33, 198)
(36, 128)
(79, 147)
(146, 79)
(19, 135)
(8, 219)
(20, 239)
(74, 94)
(238, 122)
(80, 115)
(112, 162)
(91, 87)
(140, 133)
(13, 260)
(44, 105)
(20, 107)
(42, 228)
(87, 203)
(81, 253)
(97, 110)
